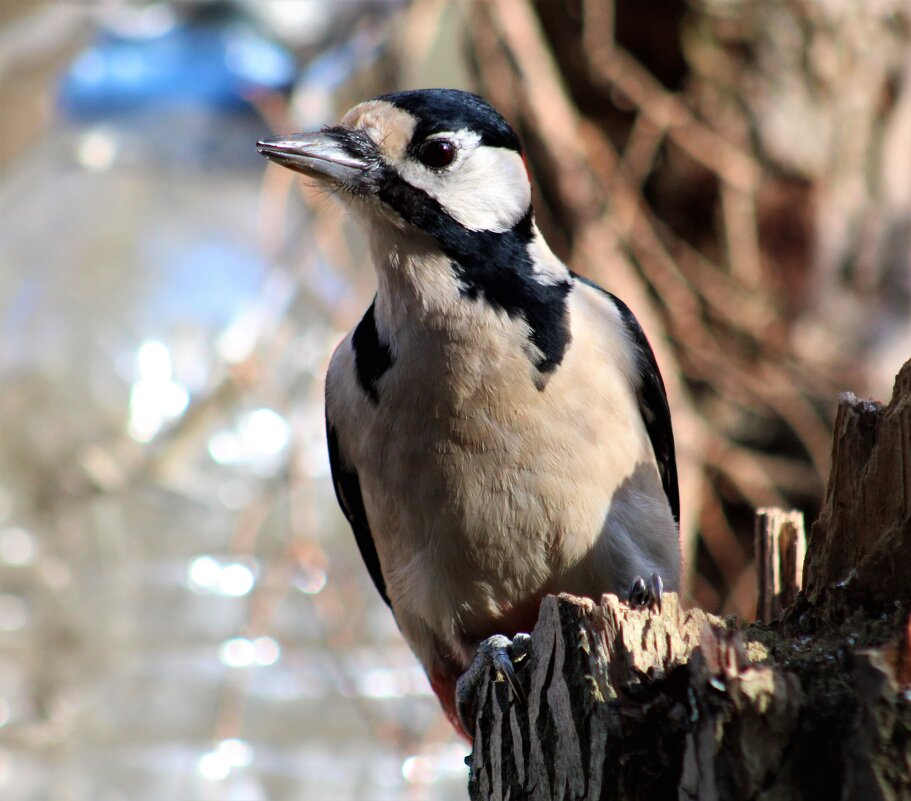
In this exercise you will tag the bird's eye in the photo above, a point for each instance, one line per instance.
(437, 153)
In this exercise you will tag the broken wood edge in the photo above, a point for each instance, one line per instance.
(861, 541)
(632, 704)
(780, 546)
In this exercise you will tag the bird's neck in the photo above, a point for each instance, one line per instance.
(424, 290)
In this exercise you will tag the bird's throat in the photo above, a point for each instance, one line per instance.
(519, 294)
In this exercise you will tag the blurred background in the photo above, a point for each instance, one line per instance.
(183, 613)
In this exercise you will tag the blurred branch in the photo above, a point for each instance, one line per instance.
(614, 69)
(676, 212)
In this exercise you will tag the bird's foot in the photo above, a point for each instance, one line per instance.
(646, 593)
(501, 653)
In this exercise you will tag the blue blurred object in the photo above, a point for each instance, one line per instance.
(219, 64)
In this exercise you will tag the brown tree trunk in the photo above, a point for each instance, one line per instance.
(677, 704)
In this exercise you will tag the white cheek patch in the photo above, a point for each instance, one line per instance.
(485, 189)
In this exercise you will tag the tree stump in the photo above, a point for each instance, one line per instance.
(677, 704)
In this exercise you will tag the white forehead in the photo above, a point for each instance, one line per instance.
(485, 188)
(390, 127)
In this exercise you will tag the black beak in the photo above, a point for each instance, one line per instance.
(319, 155)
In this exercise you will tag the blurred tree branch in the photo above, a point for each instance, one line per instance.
(661, 171)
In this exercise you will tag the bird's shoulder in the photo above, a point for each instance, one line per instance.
(646, 383)
(343, 397)
(613, 318)
(358, 363)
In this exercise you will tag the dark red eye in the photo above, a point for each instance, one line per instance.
(437, 153)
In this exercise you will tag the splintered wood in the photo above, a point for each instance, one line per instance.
(863, 535)
(622, 698)
(781, 544)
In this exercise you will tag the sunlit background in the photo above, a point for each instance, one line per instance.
(183, 612)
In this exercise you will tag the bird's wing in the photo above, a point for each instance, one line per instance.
(348, 491)
(652, 399)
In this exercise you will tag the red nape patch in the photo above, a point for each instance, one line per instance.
(444, 685)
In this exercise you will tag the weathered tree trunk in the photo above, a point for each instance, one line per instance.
(630, 704)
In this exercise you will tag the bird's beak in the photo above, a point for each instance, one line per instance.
(319, 155)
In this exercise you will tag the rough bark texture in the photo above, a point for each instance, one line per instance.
(864, 530)
(677, 704)
(779, 550)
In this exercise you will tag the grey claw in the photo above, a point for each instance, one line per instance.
(501, 653)
(646, 594)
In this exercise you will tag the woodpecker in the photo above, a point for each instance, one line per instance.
(498, 428)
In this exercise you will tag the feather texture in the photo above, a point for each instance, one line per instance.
(497, 426)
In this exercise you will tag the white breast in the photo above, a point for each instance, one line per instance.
(483, 491)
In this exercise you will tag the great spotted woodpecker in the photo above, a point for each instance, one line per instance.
(498, 428)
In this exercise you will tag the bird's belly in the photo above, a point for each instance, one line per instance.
(475, 519)
(486, 490)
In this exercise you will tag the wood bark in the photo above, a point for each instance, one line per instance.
(780, 548)
(677, 704)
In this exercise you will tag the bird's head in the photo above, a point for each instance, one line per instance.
(439, 160)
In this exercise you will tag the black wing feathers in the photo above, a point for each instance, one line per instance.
(372, 356)
(348, 492)
(652, 399)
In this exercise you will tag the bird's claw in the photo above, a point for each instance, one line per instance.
(501, 653)
(646, 594)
